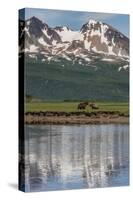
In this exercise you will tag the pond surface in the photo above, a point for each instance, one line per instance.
(59, 157)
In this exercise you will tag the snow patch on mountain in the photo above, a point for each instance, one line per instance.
(124, 67)
(41, 41)
(87, 59)
(94, 32)
(54, 42)
(68, 35)
(28, 22)
(87, 45)
(32, 49)
(66, 57)
(50, 58)
(92, 21)
(33, 56)
(110, 51)
(27, 31)
(113, 41)
(108, 59)
(104, 28)
(45, 33)
(94, 49)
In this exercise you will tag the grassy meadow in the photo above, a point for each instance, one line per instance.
(72, 106)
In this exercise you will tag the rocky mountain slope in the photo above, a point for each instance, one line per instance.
(95, 40)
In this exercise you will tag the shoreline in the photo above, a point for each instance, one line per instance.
(64, 118)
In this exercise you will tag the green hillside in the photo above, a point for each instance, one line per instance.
(57, 81)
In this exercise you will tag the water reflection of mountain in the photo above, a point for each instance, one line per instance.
(66, 157)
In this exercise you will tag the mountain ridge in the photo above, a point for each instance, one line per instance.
(92, 40)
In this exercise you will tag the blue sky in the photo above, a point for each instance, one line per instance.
(75, 19)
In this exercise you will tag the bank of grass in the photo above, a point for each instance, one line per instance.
(72, 107)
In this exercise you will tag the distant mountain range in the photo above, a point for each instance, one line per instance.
(63, 64)
(94, 40)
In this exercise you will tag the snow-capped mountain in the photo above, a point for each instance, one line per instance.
(102, 38)
(94, 39)
(39, 35)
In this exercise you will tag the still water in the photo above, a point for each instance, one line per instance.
(59, 157)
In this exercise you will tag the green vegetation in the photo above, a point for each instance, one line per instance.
(72, 107)
(59, 81)
(30, 99)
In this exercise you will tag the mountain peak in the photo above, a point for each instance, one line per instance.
(92, 21)
(35, 19)
(93, 37)
(92, 24)
(32, 19)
